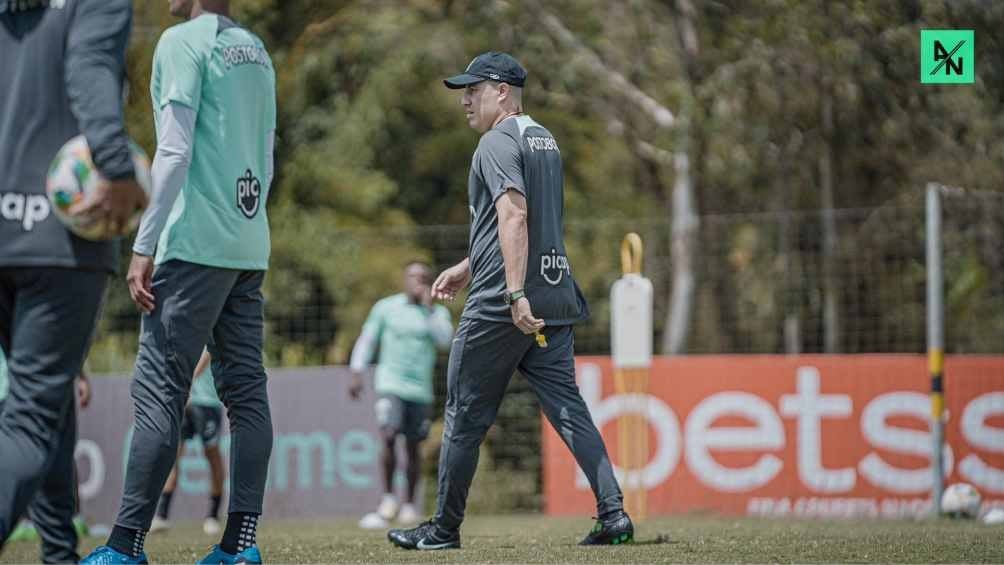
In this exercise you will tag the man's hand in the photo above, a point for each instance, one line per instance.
(522, 316)
(114, 203)
(451, 281)
(139, 279)
(83, 390)
(356, 386)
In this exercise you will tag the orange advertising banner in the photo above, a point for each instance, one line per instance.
(826, 435)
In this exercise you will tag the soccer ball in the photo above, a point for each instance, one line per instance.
(72, 176)
(961, 500)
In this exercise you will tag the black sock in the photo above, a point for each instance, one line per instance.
(214, 506)
(165, 504)
(240, 533)
(127, 540)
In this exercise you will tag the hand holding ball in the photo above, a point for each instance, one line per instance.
(89, 205)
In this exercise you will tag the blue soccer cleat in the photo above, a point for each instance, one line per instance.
(217, 555)
(104, 555)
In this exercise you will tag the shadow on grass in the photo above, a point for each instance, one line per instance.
(660, 539)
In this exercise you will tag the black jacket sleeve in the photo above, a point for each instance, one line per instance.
(95, 68)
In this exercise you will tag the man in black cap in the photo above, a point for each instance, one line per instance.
(517, 270)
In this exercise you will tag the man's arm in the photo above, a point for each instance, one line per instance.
(169, 171)
(95, 67)
(365, 347)
(499, 163)
(270, 159)
(452, 280)
(513, 239)
(440, 327)
(83, 389)
(362, 352)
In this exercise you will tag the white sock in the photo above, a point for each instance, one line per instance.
(249, 530)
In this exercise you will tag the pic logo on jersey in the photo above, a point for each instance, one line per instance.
(248, 194)
(553, 267)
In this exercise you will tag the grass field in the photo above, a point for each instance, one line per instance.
(536, 539)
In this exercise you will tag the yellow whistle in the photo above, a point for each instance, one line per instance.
(541, 339)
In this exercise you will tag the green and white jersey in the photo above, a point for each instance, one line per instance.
(224, 74)
(204, 390)
(408, 335)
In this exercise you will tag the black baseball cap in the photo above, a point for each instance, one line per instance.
(493, 65)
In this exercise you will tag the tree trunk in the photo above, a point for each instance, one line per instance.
(683, 202)
(831, 325)
(616, 81)
(791, 286)
(684, 214)
(683, 247)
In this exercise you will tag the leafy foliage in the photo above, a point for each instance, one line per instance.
(371, 144)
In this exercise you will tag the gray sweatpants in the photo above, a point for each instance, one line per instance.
(198, 306)
(47, 318)
(55, 504)
(482, 360)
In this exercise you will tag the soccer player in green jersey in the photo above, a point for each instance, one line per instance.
(408, 328)
(197, 269)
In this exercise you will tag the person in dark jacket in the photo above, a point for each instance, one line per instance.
(63, 66)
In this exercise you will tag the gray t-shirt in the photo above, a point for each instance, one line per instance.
(62, 69)
(520, 154)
